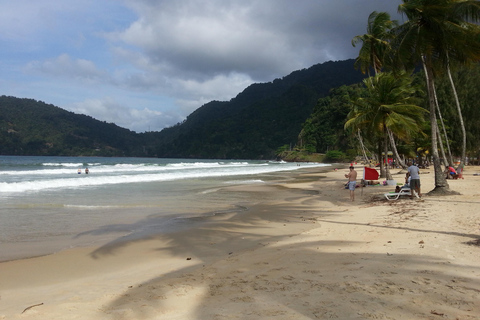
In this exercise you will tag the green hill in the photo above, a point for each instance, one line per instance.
(259, 120)
(30, 127)
(253, 125)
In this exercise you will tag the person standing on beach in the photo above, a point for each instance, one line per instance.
(352, 182)
(414, 173)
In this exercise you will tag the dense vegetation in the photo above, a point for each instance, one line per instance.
(30, 127)
(466, 80)
(324, 128)
(259, 120)
(253, 125)
(438, 35)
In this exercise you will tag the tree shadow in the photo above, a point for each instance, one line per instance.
(245, 229)
(452, 233)
(311, 279)
(307, 280)
(319, 284)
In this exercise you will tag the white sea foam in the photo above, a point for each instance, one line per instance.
(62, 164)
(103, 174)
(244, 181)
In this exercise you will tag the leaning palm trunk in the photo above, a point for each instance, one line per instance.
(441, 146)
(380, 159)
(362, 146)
(450, 159)
(459, 109)
(395, 151)
(372, 155)
(440, 180)
(388, 175)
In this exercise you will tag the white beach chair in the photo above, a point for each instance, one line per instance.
(396, 195)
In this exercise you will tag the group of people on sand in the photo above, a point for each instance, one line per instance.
(412, 181)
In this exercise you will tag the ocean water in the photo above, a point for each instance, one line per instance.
(46, 205)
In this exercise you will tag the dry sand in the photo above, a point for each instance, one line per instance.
(304, 252)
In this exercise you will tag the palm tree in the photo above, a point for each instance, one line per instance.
(389, 108)
(375, 47)
(375, 43)
(444, 157)
(437, 32)
(463, 12)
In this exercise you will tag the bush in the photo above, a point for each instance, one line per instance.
(334, 156)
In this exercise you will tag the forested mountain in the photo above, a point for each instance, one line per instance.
(307, 108)
(30, 127)
(259, 120)
(253, 125)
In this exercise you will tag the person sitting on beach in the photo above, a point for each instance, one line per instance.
(451, 173)
(408, 178)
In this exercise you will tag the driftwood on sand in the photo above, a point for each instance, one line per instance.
(32, 306)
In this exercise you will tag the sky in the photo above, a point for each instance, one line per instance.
(147, 64)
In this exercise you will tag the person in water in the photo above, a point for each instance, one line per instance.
(86, 171)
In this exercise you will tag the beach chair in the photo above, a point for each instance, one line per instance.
(396, 195)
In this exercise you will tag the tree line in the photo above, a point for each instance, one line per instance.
(250, 126)
(30, 127)
(395, 108)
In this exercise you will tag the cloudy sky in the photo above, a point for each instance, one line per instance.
(147, 64)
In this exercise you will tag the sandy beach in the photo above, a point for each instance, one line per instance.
(300, 250)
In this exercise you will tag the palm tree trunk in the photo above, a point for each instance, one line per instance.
(362, 146)
(395, 151)
(372, 155)
(388, 175)
(440, 142)
(459, 109)
(380, 158)
(450, 159)
(440, 180)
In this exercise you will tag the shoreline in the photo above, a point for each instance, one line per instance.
(18, 251)
(304, 251)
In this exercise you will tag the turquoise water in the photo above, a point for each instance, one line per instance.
(47, 206)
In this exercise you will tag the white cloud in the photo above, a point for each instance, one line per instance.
(161, 59)
(110, 110)
(261, 39)
(198, 40)
(64, 66)
(219, 87)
